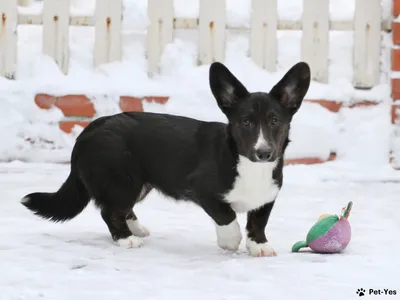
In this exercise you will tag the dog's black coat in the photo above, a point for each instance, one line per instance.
(118, 159)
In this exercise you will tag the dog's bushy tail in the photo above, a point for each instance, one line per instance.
(68, 202)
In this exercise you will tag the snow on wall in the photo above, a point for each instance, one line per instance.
(316, 131)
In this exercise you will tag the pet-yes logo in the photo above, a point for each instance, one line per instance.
(383, 292)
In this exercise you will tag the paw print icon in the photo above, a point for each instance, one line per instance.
(360, 292)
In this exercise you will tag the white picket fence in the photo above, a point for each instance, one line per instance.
(211, 25)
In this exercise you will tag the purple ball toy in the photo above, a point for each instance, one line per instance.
(331, 233)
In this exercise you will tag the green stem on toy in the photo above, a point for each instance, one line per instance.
(346, 212)
(296, 247)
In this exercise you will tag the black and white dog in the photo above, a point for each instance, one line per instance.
(224, 168)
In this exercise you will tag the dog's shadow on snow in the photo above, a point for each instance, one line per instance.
(165, 247)
(154, 246)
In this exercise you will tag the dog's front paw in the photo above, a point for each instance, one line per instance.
(229, 236)
(259, 250)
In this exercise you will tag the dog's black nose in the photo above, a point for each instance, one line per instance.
(263, 154)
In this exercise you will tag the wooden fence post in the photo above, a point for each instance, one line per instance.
(108, 26)
(56, 32)
(8, 38)
(211, 31)
(263, 39)
(367, 43)
(315, 39)
(159, 32)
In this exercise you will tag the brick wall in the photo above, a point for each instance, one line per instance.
(394, 156)
(78, 110)
(396, 59)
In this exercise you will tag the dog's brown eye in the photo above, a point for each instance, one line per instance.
(246, 122)
(274, 121)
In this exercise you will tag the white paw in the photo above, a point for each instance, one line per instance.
(258, 250)
(130, 242)
(229, 236)
(137, 229)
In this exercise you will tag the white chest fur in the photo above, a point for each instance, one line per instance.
(253, 187)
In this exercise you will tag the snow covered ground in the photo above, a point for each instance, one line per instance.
(180, 260)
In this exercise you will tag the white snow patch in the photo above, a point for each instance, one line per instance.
(78, 259)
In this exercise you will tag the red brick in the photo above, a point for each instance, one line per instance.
(130, 104)
(395, 88)
(67, 126)
(395, 113)
(396, 59)
(45, 101)
(333, 106)
(396, 33)
(363, 104)
(157, 99)
(76, 106)
(309, 160)
(396, 7)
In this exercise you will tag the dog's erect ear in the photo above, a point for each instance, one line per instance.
(292, 88)
(226, 88)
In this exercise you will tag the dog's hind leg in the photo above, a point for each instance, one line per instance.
(132, 221)
(116, 221)
(117, 213)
